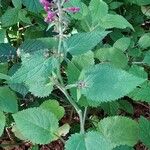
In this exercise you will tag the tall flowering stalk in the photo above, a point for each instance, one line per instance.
(55, 13)
(52, 7)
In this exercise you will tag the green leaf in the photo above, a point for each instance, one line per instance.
(146, 10)
(126, 106)
(35, 45)
(33, 6)
(35, 147)
(40, 88)
(83, 42)
(83, 60)
(35, 67)
(37, 125)
(19, 87)
(140, 2)
(90, 141)
(17, 3)
(4, 76)
(17, 133)
(122, 44)
(145, 131)
(120, 130)
(10, 17)
(141, 93)
(98, 9)
(7, 52)
(2, 122)
(111, 108)
(22, 16)
(63, 130)
(138, 71)
(54, 107)
(123, 147)
(144, 41)
(8, 100)
(2, 35)
(38, 62)
(115, 21)
(147, 58)
(4, 68)
(113, 55)
(103, 83)
(115, 5)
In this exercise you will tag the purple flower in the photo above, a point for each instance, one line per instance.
(50, 16)
(45, 3)
(73, 9)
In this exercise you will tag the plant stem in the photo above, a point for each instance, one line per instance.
(60, 37)
(62, 87)
(73, 103)
(84, 116)
(60, 12)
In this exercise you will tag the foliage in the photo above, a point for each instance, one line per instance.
(65, 58)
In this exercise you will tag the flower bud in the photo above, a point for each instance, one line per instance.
(50, 16)
(45, 2)
(73, 9)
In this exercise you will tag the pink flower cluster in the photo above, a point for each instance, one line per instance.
(51, 14)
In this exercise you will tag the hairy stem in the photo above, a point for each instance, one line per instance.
(76, 107)
(84, 116)
(62, 87)
(60, 25)
(60, 29)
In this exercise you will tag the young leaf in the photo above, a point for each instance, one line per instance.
(37, 125)
(103, 83)
(54, 107)
(115, 21)
(90, 141)
(2, 122)
(8, 100)
(120, 130)
(145, 131)
(83, 42)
